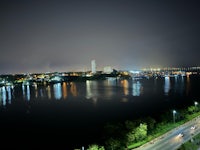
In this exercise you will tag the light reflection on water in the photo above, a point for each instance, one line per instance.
(137, 88)
(57, 90)
(187, 85)
(167, 85)
(64, 90)
(91, 90)
(109, 89)
(8, 89)
(28, 92)
(73, 89)
(3, 95)
(48, 92)
(125, 85)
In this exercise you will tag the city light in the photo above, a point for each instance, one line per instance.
(174, 113)
(195, 103)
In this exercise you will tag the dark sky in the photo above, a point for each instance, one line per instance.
(44, 35)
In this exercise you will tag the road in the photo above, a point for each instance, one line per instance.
(171, 140)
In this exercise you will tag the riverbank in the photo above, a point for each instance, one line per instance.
(165, 129)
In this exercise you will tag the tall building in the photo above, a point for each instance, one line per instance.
(93, 65)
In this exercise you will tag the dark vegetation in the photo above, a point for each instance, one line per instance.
(134, 133)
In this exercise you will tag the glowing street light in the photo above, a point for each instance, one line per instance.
(195, 103)
(174, 113)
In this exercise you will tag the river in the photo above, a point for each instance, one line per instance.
(71, 114)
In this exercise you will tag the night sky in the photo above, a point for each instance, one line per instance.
(44, 35)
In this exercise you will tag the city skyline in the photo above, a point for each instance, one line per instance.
(42, 36)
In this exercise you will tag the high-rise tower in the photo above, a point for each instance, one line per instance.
(93, 65)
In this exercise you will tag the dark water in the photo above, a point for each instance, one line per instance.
(71, 115)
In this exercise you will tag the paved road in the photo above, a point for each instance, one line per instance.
(171, 140)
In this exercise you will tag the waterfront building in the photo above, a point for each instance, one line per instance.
(93, 66)
(107, 70)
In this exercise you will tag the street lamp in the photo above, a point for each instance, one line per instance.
(174, 112)
(195, 104)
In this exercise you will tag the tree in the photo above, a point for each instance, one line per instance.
(182, 114)
(116, 130)
(95, 147)
(130, 125)
(131, 137)
(151, 123)
(137, 134)
(191, 109)
(165, 117)
(141, 132)
(113, 144)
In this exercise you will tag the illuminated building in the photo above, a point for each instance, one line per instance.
(93, 65)
(107, 70)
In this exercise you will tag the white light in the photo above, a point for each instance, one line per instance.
(57, 91)
(136, 72)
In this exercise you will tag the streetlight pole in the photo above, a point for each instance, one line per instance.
(174, 113)
(195, 104)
